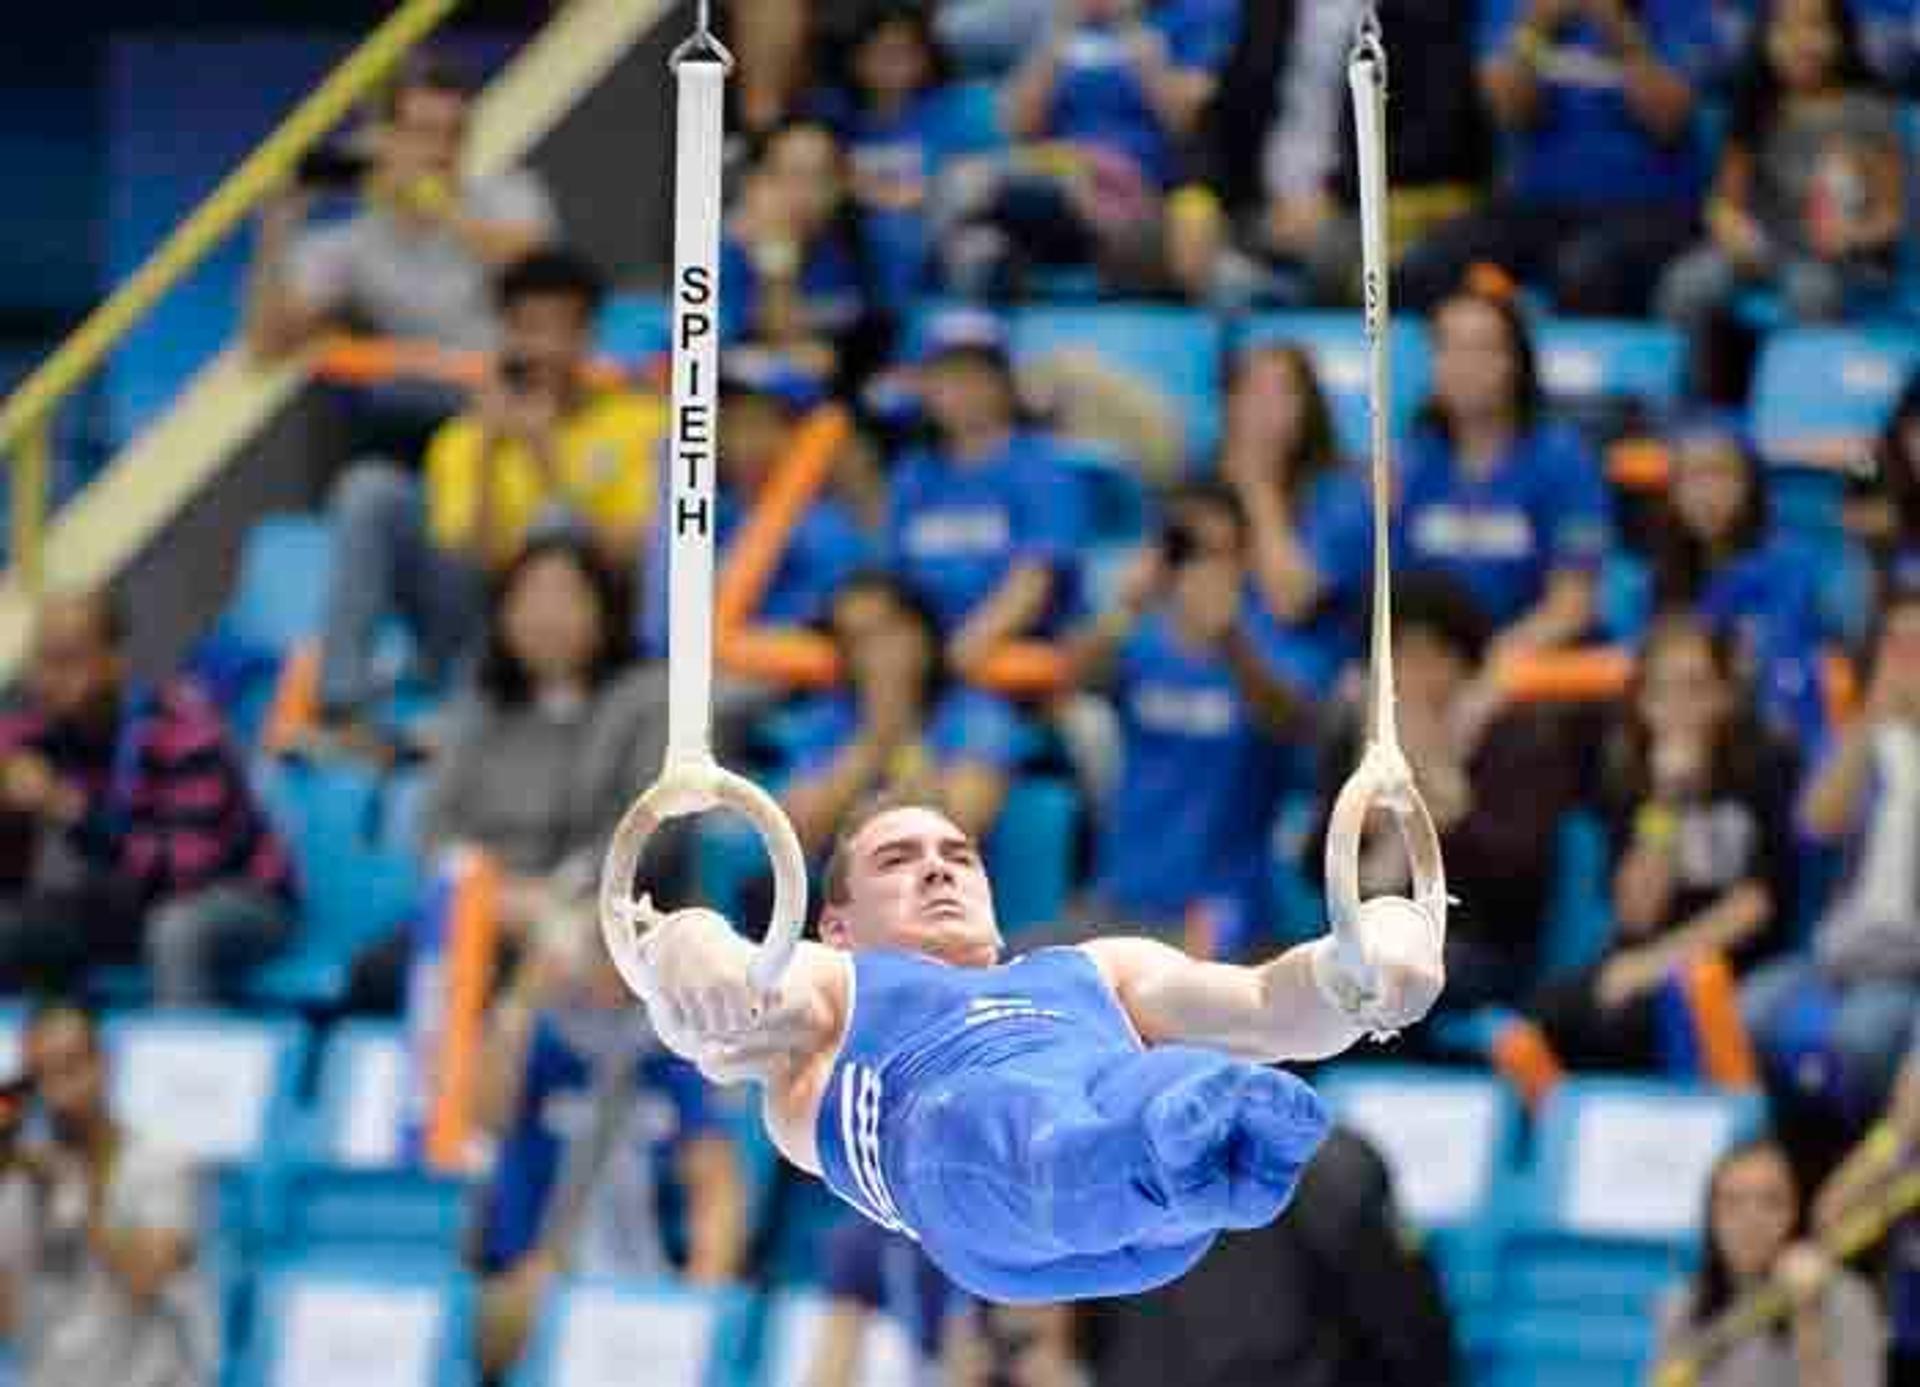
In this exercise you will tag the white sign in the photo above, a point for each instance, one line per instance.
(359, 1336)
(1640, 1165)
(370, 1125)
(1437, 1140)
(609, 1339)
(202, 1094)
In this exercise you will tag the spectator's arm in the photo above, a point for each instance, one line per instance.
(1833, 798)
(449, 796)
(283, 311)
(1009, 611)
(1643, 880)
(1563, 614)
(506, 219)
(817, 802)
(1283, 570)
(503, 1059)
(1276, 704)
(1510, 79)
(496, 244)
(1177, 94)
(1660, 97)
(1885, 221)
(141, 1260)
(837, 1347)
(1736, 919)
(716, 1210)
(1029, 93)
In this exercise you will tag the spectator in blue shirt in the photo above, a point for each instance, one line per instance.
(762, 401)
(1307, 513)
(900, 724)
(602, 1133)
(793, 262)
(1513, 506)
(1604, 181)
(984, 522)
(1713, 554)
(905, 126)
(1890, 41)
(1199, 706)
(1100, 108)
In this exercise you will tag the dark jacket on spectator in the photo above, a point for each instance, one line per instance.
(1330, 1295)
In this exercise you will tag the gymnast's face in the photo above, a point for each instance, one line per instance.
(915, 883)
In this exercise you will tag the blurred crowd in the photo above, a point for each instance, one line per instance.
(932, 619)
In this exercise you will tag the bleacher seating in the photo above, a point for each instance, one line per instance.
(1605, 1221)
(361, 1322)
(604, 1334)
(1820, 388)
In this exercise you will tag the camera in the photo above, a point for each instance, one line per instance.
(1179, 546)
(333, 168)
(516, 371)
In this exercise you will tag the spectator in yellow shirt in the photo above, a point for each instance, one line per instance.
(538, 449)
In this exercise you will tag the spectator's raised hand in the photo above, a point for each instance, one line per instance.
(28, 785)
(1737, 233)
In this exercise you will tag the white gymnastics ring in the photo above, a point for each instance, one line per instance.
(691, 781)
(1383, 779)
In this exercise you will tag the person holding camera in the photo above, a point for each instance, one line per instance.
(97, 1287)
(1201, 703)
(538, 448)
(418, 257)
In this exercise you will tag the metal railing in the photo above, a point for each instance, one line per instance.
(26, 416)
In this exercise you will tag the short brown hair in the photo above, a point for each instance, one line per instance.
(833, 882)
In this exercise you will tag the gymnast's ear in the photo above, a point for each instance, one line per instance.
(832, 927)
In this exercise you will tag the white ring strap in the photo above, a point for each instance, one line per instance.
(691, 782)
(1383, 779)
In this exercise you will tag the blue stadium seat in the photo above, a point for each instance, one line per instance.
(280, 592)
(360, 1096)
(360, 1322)
(217, 1087)
(399, 1216)
(13, 1020)
(1606, 1222)
(1580, 916)
(612, 1334)
(351, 892)
(1174, 351)
(1337, 343)
(1586, 360)
(635, 327)
(1824, 385)
(1031, 850)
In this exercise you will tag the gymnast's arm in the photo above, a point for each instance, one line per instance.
(1271, 1012)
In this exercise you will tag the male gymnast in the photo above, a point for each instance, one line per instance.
(1074, 1122)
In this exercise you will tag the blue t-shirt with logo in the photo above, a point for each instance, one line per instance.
(826, 547)
(556, 1109)
(833, 297)
(956, 530)
(1541, 510)
(1098, 97)
(1586, 148)
(1200, 782)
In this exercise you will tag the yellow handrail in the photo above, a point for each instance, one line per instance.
(28, 411)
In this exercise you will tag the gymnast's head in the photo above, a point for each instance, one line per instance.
(903, 876)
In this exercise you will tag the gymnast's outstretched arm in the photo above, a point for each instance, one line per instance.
(1288, 1008)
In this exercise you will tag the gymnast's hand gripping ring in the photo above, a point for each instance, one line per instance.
(695, 786)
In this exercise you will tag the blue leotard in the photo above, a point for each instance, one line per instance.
(1011, 1120)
